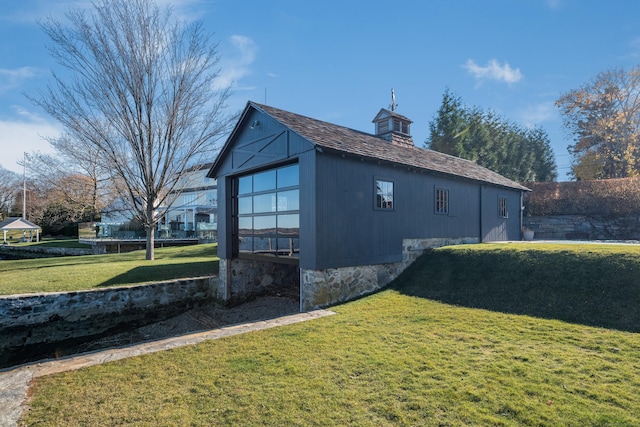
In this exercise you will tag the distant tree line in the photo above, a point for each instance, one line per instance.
(521, 154)
(9, 184)
(57, 199)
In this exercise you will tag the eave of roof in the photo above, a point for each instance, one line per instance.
(225, 147)
(199, 167)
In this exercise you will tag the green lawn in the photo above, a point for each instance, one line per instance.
(414, 354)
(94, 271)
(592, 284)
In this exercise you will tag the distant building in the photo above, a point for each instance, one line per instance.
(194, 210)
(190, 212)
(339, 212)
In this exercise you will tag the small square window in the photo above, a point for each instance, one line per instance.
(442, 201)
(502, 207)
(384, 194)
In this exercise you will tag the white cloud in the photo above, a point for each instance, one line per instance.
(12, 78)
(25, 133)
(494, 71)
(238, 64)
(184, 10)
(534, 115)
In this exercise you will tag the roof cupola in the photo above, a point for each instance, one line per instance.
(392, 126)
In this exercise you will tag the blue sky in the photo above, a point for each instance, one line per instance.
(337, 60)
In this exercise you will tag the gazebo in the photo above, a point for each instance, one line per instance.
(13, 224)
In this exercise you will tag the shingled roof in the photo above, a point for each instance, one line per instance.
(349, 141)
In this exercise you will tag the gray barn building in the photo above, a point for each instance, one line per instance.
(340, 213)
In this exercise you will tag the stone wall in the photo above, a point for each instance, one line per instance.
(241, 279)
(39, 323)
(584, 227)
(19, 252)
(321, 288)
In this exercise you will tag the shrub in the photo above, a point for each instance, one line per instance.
(606, 197)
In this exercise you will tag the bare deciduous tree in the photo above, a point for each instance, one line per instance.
(9, 189)
(140, 96)
(74, 158)
(70, 184)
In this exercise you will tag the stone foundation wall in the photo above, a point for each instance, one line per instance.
(38, 323)
(241, 279)
(321, 288)
(584, 227)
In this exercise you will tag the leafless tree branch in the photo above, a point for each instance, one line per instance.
(139, 96)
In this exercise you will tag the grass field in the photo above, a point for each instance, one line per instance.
(95, 271)
(459, 339)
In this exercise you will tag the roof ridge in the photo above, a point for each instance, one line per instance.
(352, 141)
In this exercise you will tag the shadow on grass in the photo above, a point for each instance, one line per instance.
(600, 290)
(163, 272)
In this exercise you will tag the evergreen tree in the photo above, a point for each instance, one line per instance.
(449, 129)
(491, 141)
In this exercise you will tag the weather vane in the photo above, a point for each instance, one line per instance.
(393, 100)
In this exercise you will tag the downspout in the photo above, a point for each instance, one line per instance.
(480, 239)
(521, 213)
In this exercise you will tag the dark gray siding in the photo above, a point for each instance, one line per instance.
(224, 218)
(308, 214)
(267, 143)
(494, 227)
(353, 232)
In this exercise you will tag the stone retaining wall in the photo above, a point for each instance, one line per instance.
(40, 252)
(584, 227)
(321, 288)
(241, 279)
(40, 323)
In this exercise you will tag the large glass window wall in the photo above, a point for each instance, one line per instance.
(268, 212)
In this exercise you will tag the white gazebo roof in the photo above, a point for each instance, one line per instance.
(10, 224)
(17, 224)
